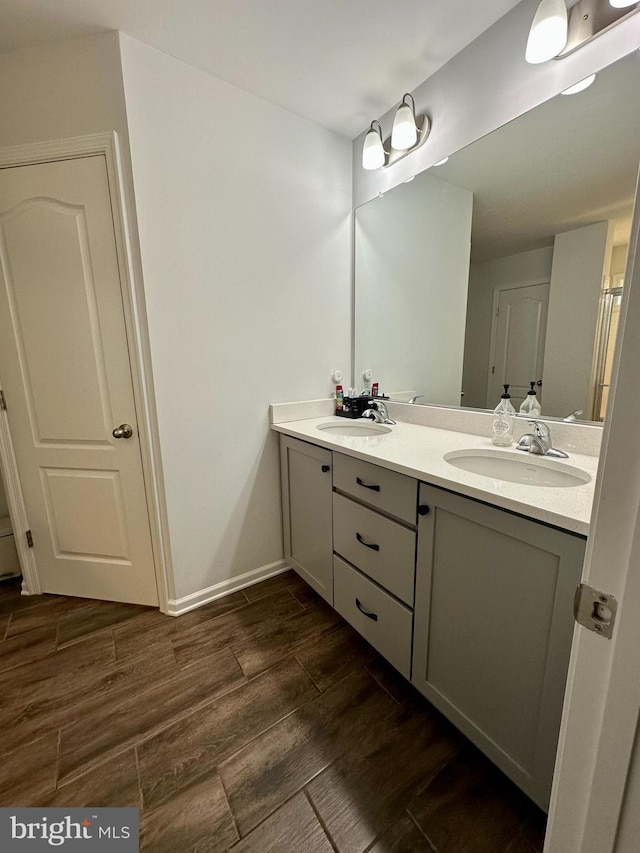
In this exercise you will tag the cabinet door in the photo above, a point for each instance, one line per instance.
(306, 503)
(493, 629)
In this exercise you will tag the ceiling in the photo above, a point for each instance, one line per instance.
(570, 162)
(340, 63)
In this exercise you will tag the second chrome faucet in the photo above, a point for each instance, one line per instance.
(539, 442)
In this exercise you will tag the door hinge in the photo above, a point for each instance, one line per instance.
(3, 402)
(595, 610)
(29, 539)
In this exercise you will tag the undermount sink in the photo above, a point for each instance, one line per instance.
(529, 470)
(354, 428)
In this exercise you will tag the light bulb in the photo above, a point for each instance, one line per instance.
(579, 87)
(548, 34)
(373, 154)
(404, 133)
(622, 4)
(442, 162)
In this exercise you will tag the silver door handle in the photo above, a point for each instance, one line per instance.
(123, 431)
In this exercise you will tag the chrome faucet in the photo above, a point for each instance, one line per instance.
(539, 442)
(573, 416)
(377, 412)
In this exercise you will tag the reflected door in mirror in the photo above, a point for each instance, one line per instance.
(519, 329)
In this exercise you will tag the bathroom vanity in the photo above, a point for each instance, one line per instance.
(463, 582)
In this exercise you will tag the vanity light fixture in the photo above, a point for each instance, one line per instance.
(409, 132)
(374, 154)
(557, 31)
(549, 30)
(404, 133)
(579, 87)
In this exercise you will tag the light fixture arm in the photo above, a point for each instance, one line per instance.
(590, 18)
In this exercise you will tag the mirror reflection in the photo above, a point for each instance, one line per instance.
(506, 263)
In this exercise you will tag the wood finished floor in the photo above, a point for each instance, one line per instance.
(260, 723)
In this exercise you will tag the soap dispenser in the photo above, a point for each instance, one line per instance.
(503, 418)
(530, 406)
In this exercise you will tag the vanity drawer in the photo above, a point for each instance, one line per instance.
(387, 490)
(388, 625)
(381, 548)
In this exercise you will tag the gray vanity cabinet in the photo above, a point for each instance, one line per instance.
(374, 540)
(307, 509)
(493, 628)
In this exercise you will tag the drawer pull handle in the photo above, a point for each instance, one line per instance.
(373, 616)
(367, 486)
(367, 544)
(325, 468)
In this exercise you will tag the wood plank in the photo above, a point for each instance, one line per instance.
(292, 829)
(284, 638)
(26, 648)
(53, 676)
(29, 774)
(339, 652)
(191, 749)
(96, 617)
(535, 827)
(402, 837)
(44, 611)
(100, 688)
(360, 795)
(114, 785)
(287, 580)
(196, 821)
(392, 681)
(470, 807)
(307, 596)
(156, 627)
(520, 845)
(199, 642)
(112, 728)
(268, 771)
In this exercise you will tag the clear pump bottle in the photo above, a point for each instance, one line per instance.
(530, 406)
(503, 418)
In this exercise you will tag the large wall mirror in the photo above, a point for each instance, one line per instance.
(506, 263)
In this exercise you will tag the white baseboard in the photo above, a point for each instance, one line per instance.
(197, 599)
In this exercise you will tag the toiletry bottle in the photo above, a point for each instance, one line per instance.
(503, 417)
(339, 398)
(530, 406)
(374, 389)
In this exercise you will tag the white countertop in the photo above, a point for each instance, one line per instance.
(419, 450)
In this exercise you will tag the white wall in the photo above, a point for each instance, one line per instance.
(62, 90)
(244, 219)
(416, 238)
(580, 259)
(522, 268)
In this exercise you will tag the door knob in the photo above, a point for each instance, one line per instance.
(123, 431)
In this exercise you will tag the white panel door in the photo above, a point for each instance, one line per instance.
(65, 371)
(520, 330)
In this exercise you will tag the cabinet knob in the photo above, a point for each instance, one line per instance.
(326, 468)
(423, 509)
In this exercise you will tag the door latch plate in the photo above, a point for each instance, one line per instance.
(595, 610)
